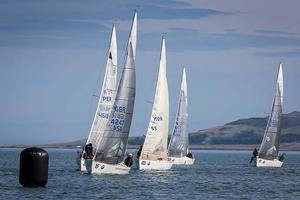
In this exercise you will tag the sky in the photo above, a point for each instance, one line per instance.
(53, 55)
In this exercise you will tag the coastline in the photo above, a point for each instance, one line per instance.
(283, 146)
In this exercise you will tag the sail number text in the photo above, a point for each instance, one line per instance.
(106, 98)
(117, 121)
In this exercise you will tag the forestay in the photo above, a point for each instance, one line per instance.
(270, 144)
(155, 145)
(179, 142)
(107, 94)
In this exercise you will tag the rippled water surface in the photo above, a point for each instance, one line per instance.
(215, 175)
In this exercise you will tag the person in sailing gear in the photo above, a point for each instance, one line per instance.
(88, 151)
(254, 155)
(281, 157)
(139, 152)
(128, 161)
(189, 155)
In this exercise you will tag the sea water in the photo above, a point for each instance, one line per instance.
(215, 175)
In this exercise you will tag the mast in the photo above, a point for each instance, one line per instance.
(155, 145)
(270, 144)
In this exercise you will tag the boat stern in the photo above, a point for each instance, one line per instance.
(268, 163)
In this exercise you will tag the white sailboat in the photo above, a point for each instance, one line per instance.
(106, 99)
(179, 142)
(109, 156)
(154, 152)
(268, 151)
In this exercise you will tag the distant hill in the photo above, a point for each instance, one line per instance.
(240, 132)
(248, 131)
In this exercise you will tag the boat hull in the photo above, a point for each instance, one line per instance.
(82, 165)
(182, 160)
(95, 167)
(268, 163)
(78, 158)
(155, 165)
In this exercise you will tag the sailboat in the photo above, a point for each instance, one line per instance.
(110, 151)
(154, 151)
(268, 151)
(179, 142)
(106, 99)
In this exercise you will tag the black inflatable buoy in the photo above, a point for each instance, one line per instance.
(33, 167)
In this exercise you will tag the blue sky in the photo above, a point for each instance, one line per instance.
(52, 59)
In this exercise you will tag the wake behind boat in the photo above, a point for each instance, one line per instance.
(153, 155)
(269, 148)
(179, 142)
(106, 100)
(109, 156)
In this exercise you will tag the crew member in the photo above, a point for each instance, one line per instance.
(89, 151)
(189, 155)
(128, 161)
(254, 155)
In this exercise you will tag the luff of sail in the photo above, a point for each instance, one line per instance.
(270, 144)
(107, 94)
(112, 148)
(155, 145)
(179, 143)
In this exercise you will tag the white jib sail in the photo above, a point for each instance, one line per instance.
(107, 95)
(155, 145)
(179, 142)
(270, 144)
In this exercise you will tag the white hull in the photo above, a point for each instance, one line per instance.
(155, 165)
(94, 167)
(78, 162)
(82, 165)
(182, 161)
(78, 158)
(268, 163)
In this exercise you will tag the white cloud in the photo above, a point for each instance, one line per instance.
(248, 16)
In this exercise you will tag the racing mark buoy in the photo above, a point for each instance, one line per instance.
(33, 167)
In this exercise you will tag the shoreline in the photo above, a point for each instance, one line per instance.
(283, 146)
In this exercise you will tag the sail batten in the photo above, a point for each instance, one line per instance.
(270, 144)
(179, 144)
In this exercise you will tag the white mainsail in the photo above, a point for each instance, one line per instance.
(107, 95)
(179, 142)
(155, 145)
(112, 146)
(133, 34)
(270, 144)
